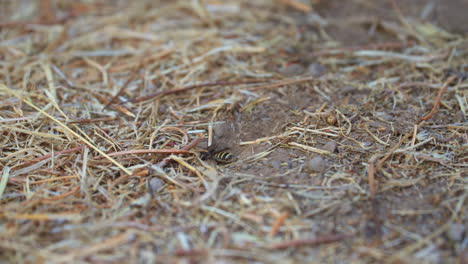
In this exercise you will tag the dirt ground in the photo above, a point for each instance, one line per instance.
(347, 119)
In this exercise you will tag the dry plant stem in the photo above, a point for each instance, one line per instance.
(37, 22)
(146, 151)
(187, 88)
(312, 149)
(392, 150)
(71, 216)
(189, 146)
(121, 91)
(67, 128)
(415, 133)
(437, 99)
(298, 5)
(132, 78)
(278, 223)
(371, 175)
(61, 196)
(112, 242)
(55, 179)
(47, 13)
(403, 20)
(372, 170)
(210, 134)
(161, 164)
(427, 239)
(190, 252)
(54, 154)
(94, 120)
(282, 83)
(238, 74)
(22, 180)
(4, 179)
(386, 45)
(310, 242)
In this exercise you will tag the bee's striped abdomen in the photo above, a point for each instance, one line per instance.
(224, 157)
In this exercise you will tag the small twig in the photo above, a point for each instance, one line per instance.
(437, 100)
(66, 128)
(278, 223)
(92, 120)
(210, 134)
(161, 164)
(413, 146)
(310, 242)
(392, 151)
(415, 134)
(63, 195)
(377, 46)
(375, 137)
(111, 242)
(122, 89)
(282, 83)
(183, 89)
(55, 179)
(371, 175)
(298, 5)
(146, 151)
(403, 20)
(69, 216)
(53, 155)
(190, 252)
(311, 149)
(188, 147)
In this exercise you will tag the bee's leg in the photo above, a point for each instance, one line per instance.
(204, 155)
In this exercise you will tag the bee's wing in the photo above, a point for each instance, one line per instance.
(221, 150)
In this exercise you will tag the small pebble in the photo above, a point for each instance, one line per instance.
(348, 89)
(315, 19)
(316, 69)
(292, 70)
(275, 164)
(154, 185)
(456, 232)
(291, 50)
(330, 146)
(316, 164)
(162, 109)
(331, 119)
(246, 166)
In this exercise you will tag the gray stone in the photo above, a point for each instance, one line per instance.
(154, 185)
(330, 146)
(456, 231)
(316, 164)
(292, 70)
(316, 69)
(275, 164)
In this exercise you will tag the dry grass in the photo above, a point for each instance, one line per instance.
(98, 99)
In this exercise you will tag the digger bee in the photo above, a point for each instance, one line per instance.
(215, 153)
(221, 156)
(224, 157)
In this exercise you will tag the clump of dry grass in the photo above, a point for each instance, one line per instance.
(97, 99)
